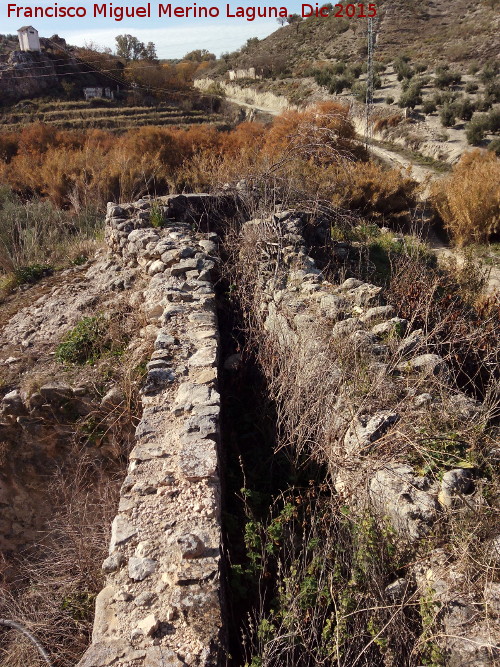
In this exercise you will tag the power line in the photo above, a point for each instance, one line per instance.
(122, 82)
(65, 62)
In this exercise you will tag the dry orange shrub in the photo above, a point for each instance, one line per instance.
(9, 142)
(384, 122)
(367, 187)
(313, 151)
(323, 133)
(468, 200)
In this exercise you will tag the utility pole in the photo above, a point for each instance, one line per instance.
(369, 82)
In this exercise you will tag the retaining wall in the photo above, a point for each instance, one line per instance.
(373, 383)
(162, 603)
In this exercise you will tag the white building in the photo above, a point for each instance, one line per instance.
(28, 38)
(90, 93)
(243, 74)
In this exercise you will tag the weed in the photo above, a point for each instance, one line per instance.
(85, 343)
(432, 655)
(156, 215)
(31, 274)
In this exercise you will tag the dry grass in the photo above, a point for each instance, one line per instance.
(37, 233)
(59, 577)
(324, 564)
(468, 200)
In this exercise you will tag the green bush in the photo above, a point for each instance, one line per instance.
(483, 104)
(494, 146)
(410, 98)
(492, 91)
(389, 100)
(359, 91)
(476, 129)
(471, 87)
(85, 343)
(464, 108)
(323, 76)
(490, 71)
(338, 68)
(338, 84)
(31, 274)
(447, 116)
(402, 68)
(429, 106)
(494, 120)
(355, 70)
(446, 78)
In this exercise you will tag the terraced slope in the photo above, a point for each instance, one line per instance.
(81, 115)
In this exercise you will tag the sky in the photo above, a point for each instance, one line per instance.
(173, 37)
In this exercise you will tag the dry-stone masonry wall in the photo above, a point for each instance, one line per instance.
(162, 603)
(310, 323)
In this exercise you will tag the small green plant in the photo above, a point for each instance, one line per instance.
(389, 100)
(79, 605)
(32, 273)
(79, 260)
(438, 453)
(156, 215)
(432, 655)
(85, 343)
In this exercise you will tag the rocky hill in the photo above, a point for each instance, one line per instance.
(30, 74)
(441, 27)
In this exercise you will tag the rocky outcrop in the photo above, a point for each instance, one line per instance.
(21, 76)
(263, 100)
(162, 602)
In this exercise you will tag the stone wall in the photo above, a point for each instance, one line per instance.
(324, 338)
(162, 603)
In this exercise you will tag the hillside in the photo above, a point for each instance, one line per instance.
(55, 70)
(440, 26)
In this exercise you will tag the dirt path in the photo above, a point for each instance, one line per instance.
(419, 172)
